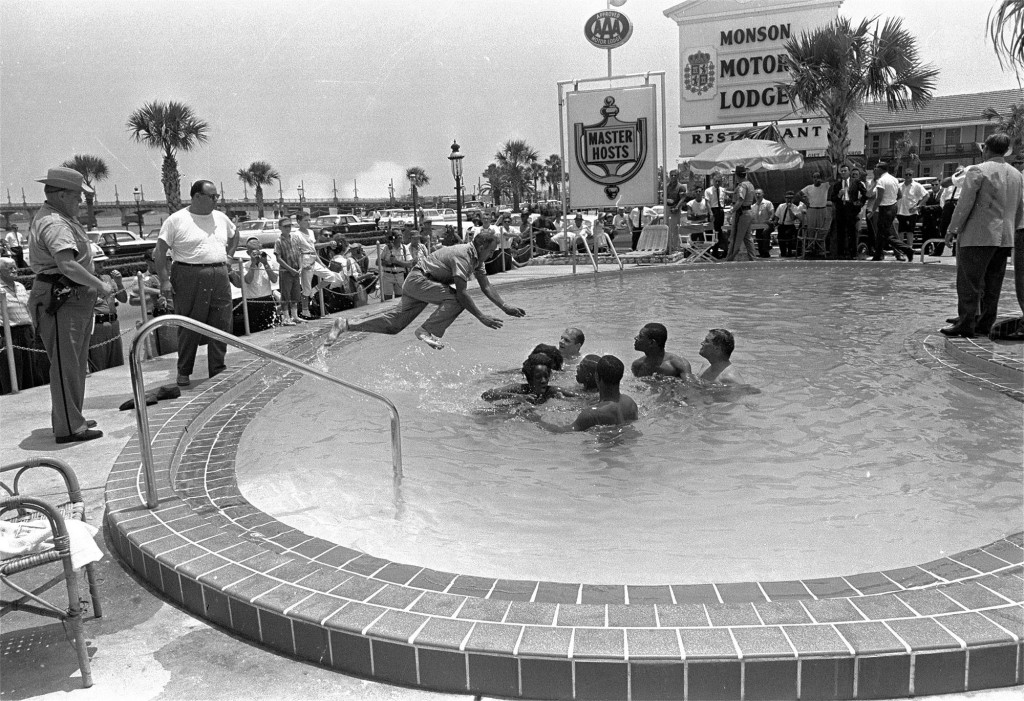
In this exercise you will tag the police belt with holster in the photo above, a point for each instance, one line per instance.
(60, 292)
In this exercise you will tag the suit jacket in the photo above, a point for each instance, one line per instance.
(991, 205)
(857, 194)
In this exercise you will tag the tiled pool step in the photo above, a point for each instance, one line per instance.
(949, 625)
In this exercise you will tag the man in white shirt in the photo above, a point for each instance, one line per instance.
(201, 241)
(882, 210)
(788, 217)
(714, 201)
(620, 223)
(908, 208)
(815, 197)
(577, 230)
(761, 216)
(257, 277)
(305, 239)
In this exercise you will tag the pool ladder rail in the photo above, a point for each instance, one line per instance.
(136, 355)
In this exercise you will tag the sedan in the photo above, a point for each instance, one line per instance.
(265, 230)
(121, 242)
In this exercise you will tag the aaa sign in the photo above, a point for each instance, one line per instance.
(608, 29)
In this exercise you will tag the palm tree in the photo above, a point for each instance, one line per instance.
(905, 153)
(514, 160)
(1012, 124)
(170, 127)
(835, 68)
(1006, 29)
(417, 177)
(494, 183)
(553, 166)
(258, 174)
(93, 169)
(538, 176)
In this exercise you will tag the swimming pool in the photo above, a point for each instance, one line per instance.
(853, 457)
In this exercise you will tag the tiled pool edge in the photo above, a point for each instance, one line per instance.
(949, 625)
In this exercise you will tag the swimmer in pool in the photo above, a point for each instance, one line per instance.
(570, 342)
(612, 409)
(717, 348)
(651, 342)
(536, 390)
(557, 358)
(586, 372)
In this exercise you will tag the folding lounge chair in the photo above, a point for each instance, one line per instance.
(16, 508)
(653, 242)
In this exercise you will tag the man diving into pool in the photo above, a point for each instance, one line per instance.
(430, 282)
(651, 342)
(612, 408)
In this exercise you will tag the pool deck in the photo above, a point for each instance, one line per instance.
(950, 625)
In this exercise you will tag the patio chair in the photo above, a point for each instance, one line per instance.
(17, 508)
(698, 245)
(812, 241)
(653, 242)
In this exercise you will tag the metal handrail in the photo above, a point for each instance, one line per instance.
(924, 245)
(139, 390)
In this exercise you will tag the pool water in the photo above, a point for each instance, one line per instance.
(851, 457)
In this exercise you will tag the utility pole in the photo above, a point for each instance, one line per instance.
(117, 198)
(23, 200)
(355, 188)
(334, 181)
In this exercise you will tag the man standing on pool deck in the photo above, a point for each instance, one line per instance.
(202, 241)
(430, 282)
(651, 342)
(988, 216)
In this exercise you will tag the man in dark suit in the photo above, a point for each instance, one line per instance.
(989, 214)
(847, 197)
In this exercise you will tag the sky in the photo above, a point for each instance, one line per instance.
(350, 92)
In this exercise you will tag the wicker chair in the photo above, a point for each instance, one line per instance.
(16, 507)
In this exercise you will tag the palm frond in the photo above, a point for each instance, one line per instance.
(92, 168)
(1005, 25)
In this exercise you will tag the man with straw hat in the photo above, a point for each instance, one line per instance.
(62, 299)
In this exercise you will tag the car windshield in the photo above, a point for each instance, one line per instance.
(324, 221)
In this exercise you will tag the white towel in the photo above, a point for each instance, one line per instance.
(25, 537)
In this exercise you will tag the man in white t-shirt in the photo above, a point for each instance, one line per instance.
(908, 208)
(201, 241)
(882, 210)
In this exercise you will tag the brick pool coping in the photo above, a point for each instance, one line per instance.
(953, 624)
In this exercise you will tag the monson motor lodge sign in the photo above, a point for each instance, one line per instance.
(706, 67)
(733, 58)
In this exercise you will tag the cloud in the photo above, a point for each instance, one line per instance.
(373, 182)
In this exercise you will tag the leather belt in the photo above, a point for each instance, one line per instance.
(201, 265)
(105, 318)
(815, 208)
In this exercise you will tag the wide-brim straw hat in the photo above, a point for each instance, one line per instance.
(66, 179)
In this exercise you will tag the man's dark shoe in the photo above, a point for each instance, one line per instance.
(88, 434)
(876, 259)
(90, 423)
(956, 331)
(183, 381)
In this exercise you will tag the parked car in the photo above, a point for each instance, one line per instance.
(342, 224)
(121, 242)
(98, 256)
(264, 229)
(396, 217)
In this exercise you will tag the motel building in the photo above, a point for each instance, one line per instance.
(732, 54)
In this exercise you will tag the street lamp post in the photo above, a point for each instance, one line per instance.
(302, 193)
(456, 159)
(137, 193)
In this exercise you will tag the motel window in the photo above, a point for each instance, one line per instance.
(952, 137)
(926, 171)
(948, 169)
(927, 141)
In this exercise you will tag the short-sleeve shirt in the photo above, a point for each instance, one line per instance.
(52, 232)
(450, 262)
(260, 285)
(815, 197)
(17, 306)
(288, 251)
(743, 195)
(306, 244)
(911, 195)
(888, 187)
(197, 238)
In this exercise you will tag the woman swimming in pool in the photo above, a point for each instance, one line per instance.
(536, 390)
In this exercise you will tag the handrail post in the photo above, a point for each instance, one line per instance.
(245, 298)
(9, 343)
(144, 309)
(139, 391)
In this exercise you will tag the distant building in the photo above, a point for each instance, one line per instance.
(946, 132)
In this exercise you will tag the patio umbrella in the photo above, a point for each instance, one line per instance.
(755, 154)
